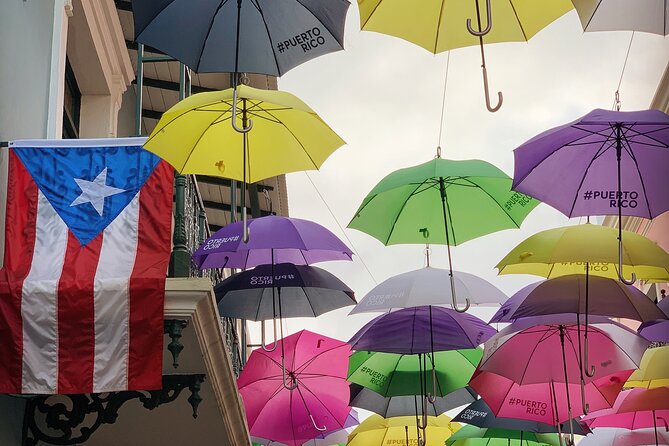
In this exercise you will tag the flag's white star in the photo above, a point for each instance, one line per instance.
(95, 192)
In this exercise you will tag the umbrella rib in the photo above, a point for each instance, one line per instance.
(269, 36)
(321, 22)
(631, 128)
(296, 138)
(311, 360)
(628, 149)
(385, 394)
(156, 15)
(168, 123)
(397, 217)
(441, 16)
(494, 201)
(515, 13)
(197, 142)
(321, 403)
(378, 3)
(585, 174)
(592, 16)
(206, 36)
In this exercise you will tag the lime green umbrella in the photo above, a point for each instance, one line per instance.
(444, 202)
(391, 374)
(476, 436)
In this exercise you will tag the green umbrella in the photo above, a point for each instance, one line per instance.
(391, 374)
(443, 202)
(476, 436)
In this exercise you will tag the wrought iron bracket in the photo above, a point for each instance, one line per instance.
(72, 419)
(173, 328)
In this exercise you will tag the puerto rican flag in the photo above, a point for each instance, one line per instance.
(87, 245)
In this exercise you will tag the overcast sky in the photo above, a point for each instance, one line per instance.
(383, 95)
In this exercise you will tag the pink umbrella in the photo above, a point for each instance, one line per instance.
(635, 409)
(312, 401)
(624, 437)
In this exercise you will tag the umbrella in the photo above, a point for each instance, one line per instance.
(288, 136)
(304, 291)
(656, 331)
(332, 438)
(653, 371)
(479, 414)
(443, 25)
(441, 201)
(407, 405)
(426, 286)
(483, 436)
(316, 400)
(623, 437)
(635, 409)
(612, 15)
(663, 304)
(391, 374)
(379, 431)
(565, 294)
(276, 240)
(251, 36)
(584, 156)
(422, 330)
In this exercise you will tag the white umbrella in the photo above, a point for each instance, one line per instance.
(648, 16)
(605, 436)
(428, 286)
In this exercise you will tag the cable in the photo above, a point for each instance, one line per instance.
(355, 251)
(616, 101)
(443, 100)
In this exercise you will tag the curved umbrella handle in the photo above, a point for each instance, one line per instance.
(245, 225)
(585, 406)
(234, 116)
(664, 421)
(455, 301)
(620, 266)
(313, 421)
(485, 31)
(432, 397)
(263, 343)
(500, 97)
(589, 370)
(291, 386)
(422, 441)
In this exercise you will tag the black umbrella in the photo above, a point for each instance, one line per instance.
(303, 291)
(479, 414)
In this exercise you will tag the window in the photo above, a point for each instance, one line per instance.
(71, 104)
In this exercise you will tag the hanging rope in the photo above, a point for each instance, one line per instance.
(616, 101)
(443, 102)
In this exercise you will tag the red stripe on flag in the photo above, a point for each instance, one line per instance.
(20, 217)
(76, 323)
(147, 282)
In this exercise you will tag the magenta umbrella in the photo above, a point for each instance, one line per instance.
(313, 402)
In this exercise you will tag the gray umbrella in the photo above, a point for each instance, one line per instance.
(274, 36)
(300, 291)
(399, 406)
(428, 286)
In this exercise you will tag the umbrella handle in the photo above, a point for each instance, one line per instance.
(432, 397)
(455, 301)
(313, 421)
(263, 343)
(234, 116)
(585, 406)
(589, 370)
(500, 97)
(292, 387)
(485, 31)
(664, 421)
(620, 265)
(245, 225)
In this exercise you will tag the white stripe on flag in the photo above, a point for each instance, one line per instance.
(39, 308)
(111, 294)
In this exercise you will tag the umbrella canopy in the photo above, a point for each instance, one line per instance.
(566, 250)
(545, 402)
(623, 437)
(499, 437)
(390, 374)
(649, 16)
(653, 371)
(663, 305)
(329, 439)
(634, 409)
(479, 414)
(566, 294)
(441, 25)
(421, 330)
(405, 206)
(408, 405)
(379, 431)
(539, 349)
(583, 157)
(195, 135)
(656, 331)
(428, 286)
(275, 239)
(273, 37)
(304, 291)
(317, 400)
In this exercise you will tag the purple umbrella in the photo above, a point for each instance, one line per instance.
(583, 157)
(275, 239)
(655, 331)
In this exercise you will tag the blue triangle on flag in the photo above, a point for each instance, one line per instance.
(88, 186)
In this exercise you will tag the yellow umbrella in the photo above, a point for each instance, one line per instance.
(653, 371)
(379, 431)
(570, 249)
(195, 135)
(441, 25)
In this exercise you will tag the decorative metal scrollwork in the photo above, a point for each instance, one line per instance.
(72, 419)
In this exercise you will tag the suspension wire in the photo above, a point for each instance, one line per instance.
(616, 101)
(350, 243)
(443, 99)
